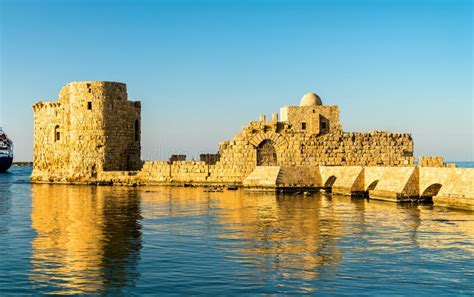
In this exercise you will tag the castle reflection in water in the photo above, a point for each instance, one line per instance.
(87, 237)
(90, 239)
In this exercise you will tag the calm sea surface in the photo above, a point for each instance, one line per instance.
(129, 241)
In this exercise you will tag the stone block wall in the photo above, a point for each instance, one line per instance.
(156, 172)
(453, 187)
(312, 119)
(123, 130)
(354, 148)
(398, 183)
(183, 172)
(431, 161)
(237, 158)
(342, 179)
(91, 128)
(189, 171)
(263, 176)
(298, 176)
(99, 131)
(178, 172)
(50, 152)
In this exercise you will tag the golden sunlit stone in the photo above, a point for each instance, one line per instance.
(92, 135)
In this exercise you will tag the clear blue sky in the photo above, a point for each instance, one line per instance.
(203, 69)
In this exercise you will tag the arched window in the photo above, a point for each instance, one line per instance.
(57, 133)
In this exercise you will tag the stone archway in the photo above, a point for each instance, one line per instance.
(330, 181)
(266, 153)
(431, 191)
(371, 187)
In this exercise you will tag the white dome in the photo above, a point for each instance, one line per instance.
(310, 99)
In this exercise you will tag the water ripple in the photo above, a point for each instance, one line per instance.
(59, 239)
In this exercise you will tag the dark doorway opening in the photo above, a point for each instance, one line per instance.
(266, 154)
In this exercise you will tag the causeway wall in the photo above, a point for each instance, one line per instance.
(444, 186)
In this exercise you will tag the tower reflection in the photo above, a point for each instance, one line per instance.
(88, 238)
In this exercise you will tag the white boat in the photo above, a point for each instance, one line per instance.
(6, 151)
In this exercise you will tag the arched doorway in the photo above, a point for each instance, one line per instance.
(266, 154)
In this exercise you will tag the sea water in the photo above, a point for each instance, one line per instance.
(60, 239)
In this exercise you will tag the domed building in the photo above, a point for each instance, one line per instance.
(311, 115)
(310, 99)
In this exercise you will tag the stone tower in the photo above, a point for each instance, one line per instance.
(91, 128)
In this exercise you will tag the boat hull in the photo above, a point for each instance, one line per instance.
(5, 163)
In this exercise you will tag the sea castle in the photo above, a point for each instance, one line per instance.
(92, 135)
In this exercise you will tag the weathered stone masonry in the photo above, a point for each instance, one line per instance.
(90, 129)
(92, 135)
(93, 131)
